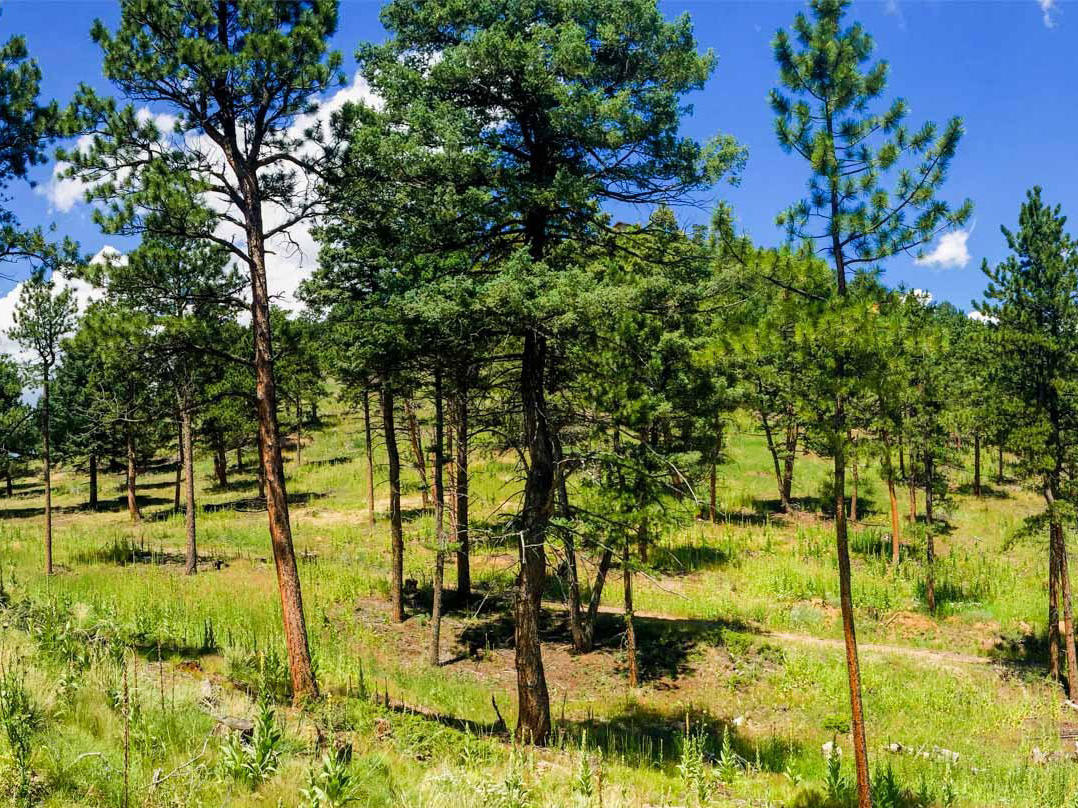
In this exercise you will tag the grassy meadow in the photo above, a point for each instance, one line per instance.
(118, 668)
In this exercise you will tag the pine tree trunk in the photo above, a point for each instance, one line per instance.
(1068, 617)
(913, 498)
(901, 458)
(784, 504)
(853, 669)
(976, 464)
(299, 431)
(586, 641)
(792, 435)
(462, 538)
(93, 481)
(304, 685)
(930, 539)
(420, 460)
(999, 473)
(396, 581)
(630, 630)
(896, 532)
(929, 482)
(220, 464)
(853, 494)
(370, 458)
(177, 483)
(533, 713)
(187, 452)
(439, 527)
(713, 503)
(11, 485)
(260, 475)
(1053, 607)
(46, 418)
(239, 458)
(132, 478)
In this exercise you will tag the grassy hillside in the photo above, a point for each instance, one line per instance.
(738, 631)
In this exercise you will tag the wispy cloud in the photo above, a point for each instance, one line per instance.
(1049, 8)
(950, 251)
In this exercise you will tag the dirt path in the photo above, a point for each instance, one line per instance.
(929, 655)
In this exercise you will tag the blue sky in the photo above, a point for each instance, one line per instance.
(1007, 68)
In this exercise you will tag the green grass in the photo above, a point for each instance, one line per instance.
(707, 600)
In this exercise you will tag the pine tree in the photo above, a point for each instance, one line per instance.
(851, 213)
(237, 75)
(566, 106)
(1032, 303)
(42, 317)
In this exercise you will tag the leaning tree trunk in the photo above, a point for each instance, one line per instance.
(45, 417)
(462, 538)
(439, 527)
(419, 459)
(187, 452)
(396, 582)
(533, 715)
(1053, 607)
(132, 477)
(304, 685)
(784, 502)
(370, 459)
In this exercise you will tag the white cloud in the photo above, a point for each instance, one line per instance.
(83, 292)
(922, 296)
(291, 255)
(950, 251)
(1049, 8)
(983, 318)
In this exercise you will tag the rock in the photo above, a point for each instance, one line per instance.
(739, 721)
(209, 694)
(895, 748)
(1037, 756)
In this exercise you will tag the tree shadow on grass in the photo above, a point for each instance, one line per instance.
(332, 461)
(686, 558)
(665, 646)
(650, 736)
(255, 504)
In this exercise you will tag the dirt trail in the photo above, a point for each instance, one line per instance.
(929, 655)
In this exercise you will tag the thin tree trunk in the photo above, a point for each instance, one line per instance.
(896, 531)
(853, 494)
(220, 463)
(1068, 617)
(239, 458)
(784, 504)
(792, 435)
(713, 503)
(533, 699)
(396, 582)
(630, 631)
(586, 641)
(853, 669)
(420, 460)
(913, 498)
(304, 685)
(93, 481)
(439, 527)
(370, 459)
(46, 419)
(930, 539)
(1053, 606)
(976, 464)
(179, 471)
(132, 500)
(999, 473)
(462, 538)
(929, 482)
(187, 452)
(901, 458)
(11, 485)
(299, 431)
